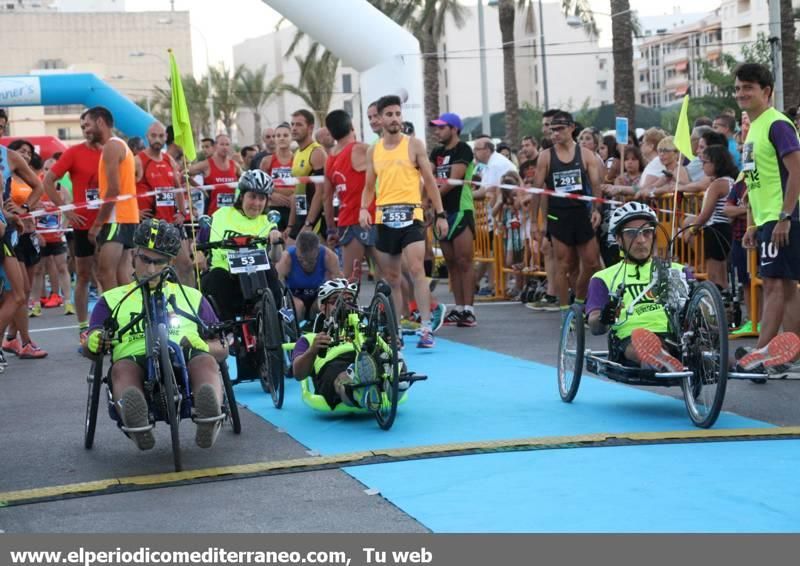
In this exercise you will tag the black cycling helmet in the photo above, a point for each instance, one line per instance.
(256, 181)
(159, 236)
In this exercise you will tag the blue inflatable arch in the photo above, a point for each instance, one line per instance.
(80, 88)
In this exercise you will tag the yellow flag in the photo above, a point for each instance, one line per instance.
(181, 125)
(683, 134)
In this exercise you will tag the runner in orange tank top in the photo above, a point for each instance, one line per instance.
(396, 163)
(117, 219)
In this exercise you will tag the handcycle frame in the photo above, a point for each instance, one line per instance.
(697, 332)
(372, 331)
(169, 396)
(256, 331)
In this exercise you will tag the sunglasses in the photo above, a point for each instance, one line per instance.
(664, 150)
(153, 260)
(647, 232)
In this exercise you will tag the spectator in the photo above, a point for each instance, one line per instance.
(726, 125)
(609, 153)
(653, 171)
(627, 184)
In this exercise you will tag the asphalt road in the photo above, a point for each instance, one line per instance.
(42, 405)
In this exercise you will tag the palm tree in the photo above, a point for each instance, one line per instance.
(505, 9)
(226, 102)
(253, 92)
(317, 80)
(429, 28)
(196, 93)
(791, 82)
(622, 54)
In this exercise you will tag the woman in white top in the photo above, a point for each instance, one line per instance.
(718, 165)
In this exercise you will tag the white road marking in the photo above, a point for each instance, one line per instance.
(53, 328)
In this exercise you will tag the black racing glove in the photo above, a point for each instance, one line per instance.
(608, 316)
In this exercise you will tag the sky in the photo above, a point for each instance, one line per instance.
(244, 19)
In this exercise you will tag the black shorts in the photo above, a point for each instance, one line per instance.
(458, 222)
(307, 299)
(783, 263)
(54, 249)
(392, 241)
(324, 383)
(570, 226)
(300, 222)
(717, 241)
(83, 247)
(118, 233)
(27, 250)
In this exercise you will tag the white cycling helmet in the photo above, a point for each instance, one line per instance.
(630, 211)
(256, 181)
(333, 286)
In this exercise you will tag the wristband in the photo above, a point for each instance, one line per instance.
(751, 227)
(441, 215)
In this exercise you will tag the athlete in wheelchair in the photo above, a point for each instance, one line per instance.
(162, 366)
(241, 283)
(663, 328)
(351, 363)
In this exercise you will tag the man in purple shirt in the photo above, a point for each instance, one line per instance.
(157, 243)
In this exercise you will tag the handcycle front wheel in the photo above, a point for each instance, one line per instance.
(270, 353)
(92, 402)
(291, 329)
(706, 329)
(171, 394)
(571, 354)
(382, 337)
(230, 398)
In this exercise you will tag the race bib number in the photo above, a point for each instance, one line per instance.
(301, 205)
(165, 197)
(93, 198)
(398, 216)
(224, 199)
(248, 261)
(748, 159)
(568, 181)
(282, 173)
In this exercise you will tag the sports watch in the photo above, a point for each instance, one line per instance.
(784, 216)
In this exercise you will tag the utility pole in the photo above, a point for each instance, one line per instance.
(775, 44)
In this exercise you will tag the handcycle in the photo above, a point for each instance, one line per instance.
(373, 331)
(259, 332)
(167, 387)
(697, 334)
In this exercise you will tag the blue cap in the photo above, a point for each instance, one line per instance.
(448, 119)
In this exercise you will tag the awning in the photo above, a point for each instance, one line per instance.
(681, 90)
(714, 55)
(682, 66)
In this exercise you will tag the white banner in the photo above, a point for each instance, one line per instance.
(20, 91)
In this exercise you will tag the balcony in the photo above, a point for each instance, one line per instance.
(676, 55)
(676, 81)
(643, 88)
(642, 64)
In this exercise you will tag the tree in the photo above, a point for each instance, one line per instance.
(317, 80)
(622, 54)
(721, 77)
(253, 92)
(789, 52)
(196, 93)
(505, 10)
(226, 101)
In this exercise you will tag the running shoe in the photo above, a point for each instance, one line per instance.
(548, 304)
(453, 318)
(206, 406)
(485, 292)
(775, 356)
(409, 326)
(31, 351)
(365, 370)
(69, 308)
(3, 361)
(651, 352)
(12, 346)
(432, 284)
(53, 301)
(437, 317)
(134, 413)
(425, 339)
(468, 320)
(36, 310)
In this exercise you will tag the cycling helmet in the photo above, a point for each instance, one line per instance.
(336, 286)
(630, 211)
(159, 236)
(256, 181)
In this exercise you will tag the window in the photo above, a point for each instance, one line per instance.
(602, 84)
(348, 107)
(602, 64)
(347, 83)
(63, 134)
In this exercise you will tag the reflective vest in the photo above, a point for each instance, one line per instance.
(228, 222)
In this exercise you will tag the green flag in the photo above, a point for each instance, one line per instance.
(181, 125)
(683, 135)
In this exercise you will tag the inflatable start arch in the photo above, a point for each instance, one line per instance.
(78, 88)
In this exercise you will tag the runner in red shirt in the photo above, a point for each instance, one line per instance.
(345, 174)
(157, 172)
(219, 168)
(81, 162)
(279, 166)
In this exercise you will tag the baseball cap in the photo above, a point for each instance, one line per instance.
(448, 119)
